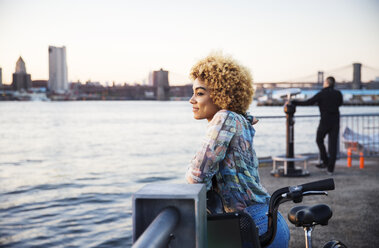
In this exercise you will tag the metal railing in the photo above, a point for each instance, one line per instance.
(170, 215)
(358, 132)
(159, 232)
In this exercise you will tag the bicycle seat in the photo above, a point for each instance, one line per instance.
(309, 216)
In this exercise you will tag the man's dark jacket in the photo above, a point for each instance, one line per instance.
(328, 101)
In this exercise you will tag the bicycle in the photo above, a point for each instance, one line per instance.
(307, 217)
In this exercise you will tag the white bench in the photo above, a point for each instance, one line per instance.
(285, 160)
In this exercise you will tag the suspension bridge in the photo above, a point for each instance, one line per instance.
(344, 75)
(341, 74)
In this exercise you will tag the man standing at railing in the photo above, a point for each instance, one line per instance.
(328, 100)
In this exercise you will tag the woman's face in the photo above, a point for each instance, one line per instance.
(202, 104)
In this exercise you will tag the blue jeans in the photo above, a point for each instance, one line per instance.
(258, 213)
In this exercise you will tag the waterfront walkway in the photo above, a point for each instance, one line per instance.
(355, 203)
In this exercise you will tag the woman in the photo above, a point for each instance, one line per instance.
(222, 93)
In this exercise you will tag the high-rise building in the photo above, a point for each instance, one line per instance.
(150, 79)
(58, 82)
(21, 80)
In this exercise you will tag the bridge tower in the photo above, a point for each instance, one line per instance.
(320, 78)
(161, 84)
(357, 84)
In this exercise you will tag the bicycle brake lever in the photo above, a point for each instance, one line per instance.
(315, 193)
(298, 197)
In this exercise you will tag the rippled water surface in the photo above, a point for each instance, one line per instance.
(68, 169)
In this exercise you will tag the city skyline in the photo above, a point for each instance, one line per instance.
(123, 41)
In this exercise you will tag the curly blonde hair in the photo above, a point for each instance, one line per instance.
(230, 84)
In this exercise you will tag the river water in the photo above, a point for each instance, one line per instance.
(68, 169)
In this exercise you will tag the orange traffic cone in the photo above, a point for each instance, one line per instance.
(361, 160)
(349, 157)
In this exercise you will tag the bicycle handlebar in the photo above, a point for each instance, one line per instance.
(327, 184)
(285, 194)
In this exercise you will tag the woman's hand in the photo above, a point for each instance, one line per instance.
(251, 119)
(255, 121)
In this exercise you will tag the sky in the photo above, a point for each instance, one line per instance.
(122, 41)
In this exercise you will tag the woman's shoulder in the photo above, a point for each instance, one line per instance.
(222, 116)
(225, 114)
(226, 117)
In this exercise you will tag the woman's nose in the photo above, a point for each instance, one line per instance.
(192, 100)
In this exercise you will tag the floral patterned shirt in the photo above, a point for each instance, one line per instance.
(228, 153)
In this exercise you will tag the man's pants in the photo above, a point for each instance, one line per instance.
(332, 130)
